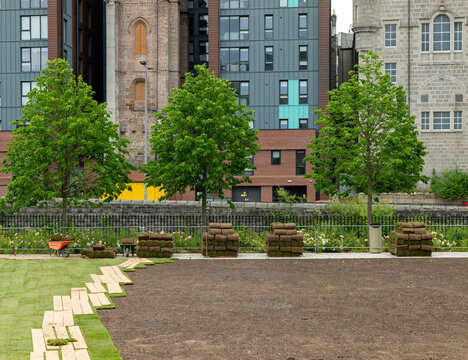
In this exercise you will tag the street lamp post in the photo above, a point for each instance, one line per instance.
(146, 119)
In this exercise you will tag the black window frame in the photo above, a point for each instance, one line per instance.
(275, 160)
(42, 4)
(300, 165)
(303, 63)
(269, 64)
(283, 98)
(268, 31)
(303, 97)
(302, 122)
(286, 121)
(303, 30)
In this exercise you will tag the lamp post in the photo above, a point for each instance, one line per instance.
(146, 119)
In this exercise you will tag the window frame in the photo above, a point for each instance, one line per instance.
(425, 121)
(305, 63)
(42, 27)
(241, 4)
(268, 31)
(391, 69)
(303, 31)
(275, 160)
(425, 37)
(301, 123)
(300, 165)
(269, 65)
(303, 96)
(458, 120)
(441, 33)
(241, 66)
(43, 57)
(441, 123)
(283, 97)
(247, 171)
(24, 96)
(458, 36)
(390, 35)
(42, 4)
(283, 121)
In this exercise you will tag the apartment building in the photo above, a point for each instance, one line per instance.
(34, 31)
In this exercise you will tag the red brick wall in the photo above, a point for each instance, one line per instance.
(5, 137)
(213, 35)
(54, 18)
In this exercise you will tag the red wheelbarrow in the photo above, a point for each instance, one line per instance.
(59, 248)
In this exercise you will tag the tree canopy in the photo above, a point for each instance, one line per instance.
(64, 145)
(202, 141)
(368, 142)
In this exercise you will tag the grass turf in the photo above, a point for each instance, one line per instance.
(27, 288)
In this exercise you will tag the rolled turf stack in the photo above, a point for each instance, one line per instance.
(99, 252)
(410, 239)
(284, 241)
(154, 245)
(220, 241)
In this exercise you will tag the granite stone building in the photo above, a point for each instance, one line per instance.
(423, 44)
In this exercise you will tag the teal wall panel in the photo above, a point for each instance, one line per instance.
(293, 113)
(293, 3)
(293, 92)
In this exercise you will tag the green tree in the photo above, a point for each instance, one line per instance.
(202, 141)
(368, 142)
(452, 185)
(64, 146)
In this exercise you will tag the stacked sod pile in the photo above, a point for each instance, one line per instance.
(284, 241)
(99, 252)
(221, 240)
(155, 245)
(410, 239)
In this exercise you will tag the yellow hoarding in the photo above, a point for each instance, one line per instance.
(137, 193)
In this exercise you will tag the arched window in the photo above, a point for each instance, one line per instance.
(140, 90)
(441, 33)
(140, 38)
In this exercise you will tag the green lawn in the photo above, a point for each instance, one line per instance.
(26, 291)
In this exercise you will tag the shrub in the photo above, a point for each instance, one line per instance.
(356, 207)
(452, 185)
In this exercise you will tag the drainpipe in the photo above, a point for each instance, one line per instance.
(409, 56)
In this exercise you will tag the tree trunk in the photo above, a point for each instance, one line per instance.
(369, 208)
(203, 208)
(64, 215)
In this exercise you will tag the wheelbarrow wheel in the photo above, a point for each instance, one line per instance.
(65, 252)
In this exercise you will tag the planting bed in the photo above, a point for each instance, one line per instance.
(294, 309)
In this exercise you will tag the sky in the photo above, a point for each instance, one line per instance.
(344, 13)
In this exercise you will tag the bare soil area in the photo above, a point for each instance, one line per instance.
(294, 310)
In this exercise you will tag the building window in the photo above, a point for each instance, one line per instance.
(191, 55)
(33, 59)
(303, 123)
(303, 57)
(234, 27)
(283, 123)
(140, 90)
(441, 33)
(242, 90)
(33, 27)
(203, 24)
(234, 4)
(33, 4)
(0, 93)
(458, 36)
(424, 98)
(390, 35)
(457, 120)
(276, 157)
(247, 171)
(391, 70)
(268, 26)
(26, 87)
(203, 52)
(442, 120)
(302, 3)
(283, 3)
(459, 98)
(424, 37)
(300, 165)
(303, 92)
(140, 38)
(283, 100)
(268, 58)
(425, 120)
(234, 59)
(302, 26)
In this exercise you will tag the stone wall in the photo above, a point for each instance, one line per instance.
(435, 76)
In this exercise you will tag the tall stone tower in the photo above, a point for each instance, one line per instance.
(152, 31)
